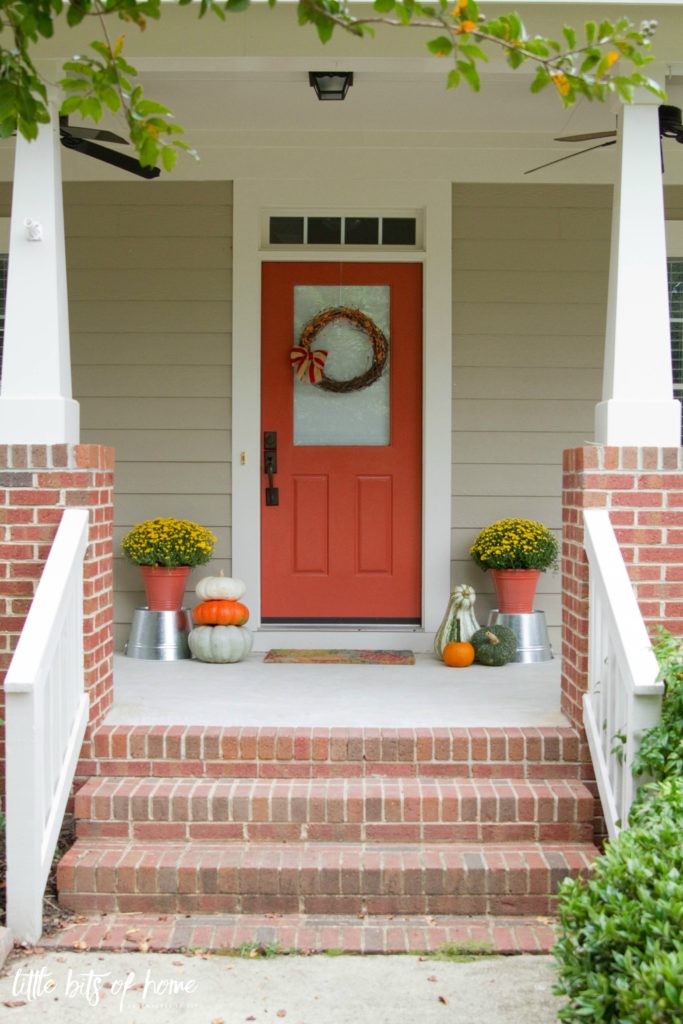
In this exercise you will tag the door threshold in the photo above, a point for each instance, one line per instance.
(348, 637)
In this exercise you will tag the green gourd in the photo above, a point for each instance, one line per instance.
(494, 645)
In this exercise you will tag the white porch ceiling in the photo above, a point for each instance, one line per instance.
(241, 92)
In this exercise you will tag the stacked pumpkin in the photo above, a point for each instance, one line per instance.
(220, 633)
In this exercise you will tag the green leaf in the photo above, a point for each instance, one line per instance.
(442, 46)
(74, 65)
(92, 107)
(590, 62)
(168, 157)
(591, 31)
(606, 31)
(514, 26)
(541, 79)
(537, 46)
(473, 51)
(470, 74)
(514, 58)
(146, 107)
(453, 79)
(111, 99)
(384, 6)
(75, 84)
(99, 47)
(234, 6)
(570, 36)
(70, 104)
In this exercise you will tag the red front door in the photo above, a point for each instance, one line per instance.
(343, 542)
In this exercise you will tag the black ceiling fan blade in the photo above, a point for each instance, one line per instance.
(569, 156)
(95, 134)
(586, 137)
(109, 156)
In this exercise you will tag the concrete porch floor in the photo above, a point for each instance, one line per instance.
(251, 693)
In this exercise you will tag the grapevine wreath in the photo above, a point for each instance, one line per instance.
(310, 364)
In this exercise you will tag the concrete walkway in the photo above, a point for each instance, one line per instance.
(137, 988)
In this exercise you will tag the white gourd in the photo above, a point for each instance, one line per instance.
(221, 588)
(459, 622)
(220, 644)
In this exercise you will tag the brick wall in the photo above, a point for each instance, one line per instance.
(37, 482)
(642, 488)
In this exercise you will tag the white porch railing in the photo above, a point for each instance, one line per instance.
(624, 697)
(46, 715)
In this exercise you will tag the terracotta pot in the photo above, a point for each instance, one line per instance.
(164, 586)
(515, 589)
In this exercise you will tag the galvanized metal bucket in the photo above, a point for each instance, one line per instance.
(159, 636)
(533, 642)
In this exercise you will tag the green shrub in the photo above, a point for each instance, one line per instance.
(620, 947)
(661, 749)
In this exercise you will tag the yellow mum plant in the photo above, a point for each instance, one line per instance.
(515, 544)
(168, 542)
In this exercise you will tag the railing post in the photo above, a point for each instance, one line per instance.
(25, 816)
(39, 773)
(624, 694)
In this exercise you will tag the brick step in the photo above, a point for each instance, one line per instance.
(409, 810)
(240, 752)
(171, 933)
(317, 878)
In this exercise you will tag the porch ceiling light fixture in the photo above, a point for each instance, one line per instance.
(331, 85)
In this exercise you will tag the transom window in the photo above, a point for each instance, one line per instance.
(386, 230)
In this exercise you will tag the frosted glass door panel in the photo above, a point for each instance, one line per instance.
(358, 417)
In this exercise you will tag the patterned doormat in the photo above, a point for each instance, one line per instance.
(292, 656)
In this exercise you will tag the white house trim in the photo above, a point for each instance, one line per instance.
(36, 406)
(637, 407)
(434, 200)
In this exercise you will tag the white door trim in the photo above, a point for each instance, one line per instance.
(435, 200)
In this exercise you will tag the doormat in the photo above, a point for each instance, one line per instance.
(292, 656)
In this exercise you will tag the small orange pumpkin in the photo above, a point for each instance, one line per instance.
(458, 654)
(220, 613)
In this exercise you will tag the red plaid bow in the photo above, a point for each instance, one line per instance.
(309, 366)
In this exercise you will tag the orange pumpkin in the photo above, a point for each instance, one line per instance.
(458, 654)
(220, 613)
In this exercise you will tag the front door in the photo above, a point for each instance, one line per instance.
(341, 520)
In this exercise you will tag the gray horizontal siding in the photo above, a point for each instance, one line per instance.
(530, 268)
(150, 312)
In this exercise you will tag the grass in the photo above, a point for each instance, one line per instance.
(460, 952)
(259, 951)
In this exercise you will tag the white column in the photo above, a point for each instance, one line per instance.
(36, 406)
(637, 405)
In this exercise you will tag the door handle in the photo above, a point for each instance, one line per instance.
(270, 465)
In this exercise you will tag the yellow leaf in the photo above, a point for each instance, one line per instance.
(561, 83)
(118, 45)
(459, 8)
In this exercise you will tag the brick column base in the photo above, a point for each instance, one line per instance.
(37, 482)
(642, 488)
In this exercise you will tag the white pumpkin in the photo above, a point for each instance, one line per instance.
(221, 588)
(220, 644)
